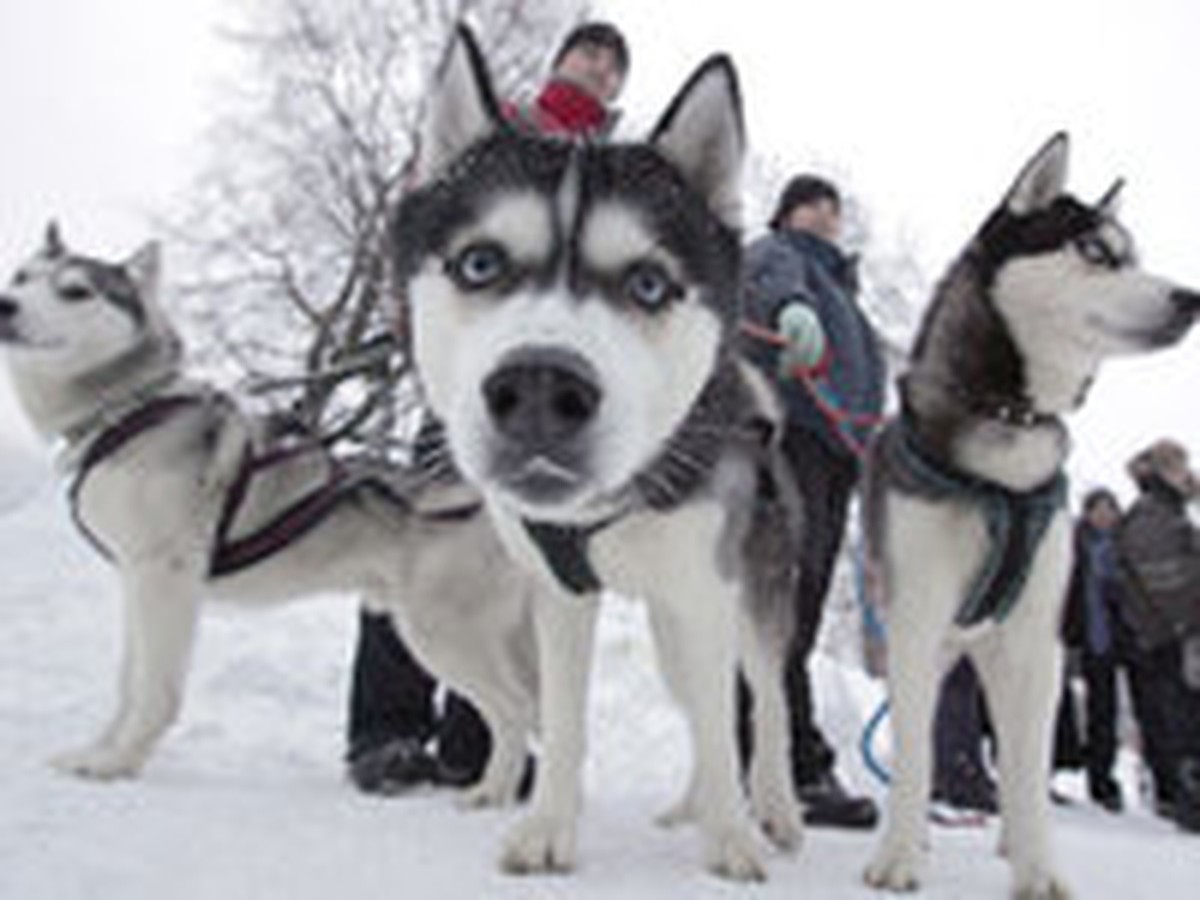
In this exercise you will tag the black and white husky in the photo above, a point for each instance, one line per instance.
(188, 497)
(966, 497)
(574, 311)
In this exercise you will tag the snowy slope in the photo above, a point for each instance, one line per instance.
(246, 797)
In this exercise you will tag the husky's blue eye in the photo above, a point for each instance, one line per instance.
(479, 266)
(648, 285)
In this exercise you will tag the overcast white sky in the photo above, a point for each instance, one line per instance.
(927, 106)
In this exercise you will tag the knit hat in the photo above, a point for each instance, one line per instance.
(1166, 460)
(599, 34)
(800, 191)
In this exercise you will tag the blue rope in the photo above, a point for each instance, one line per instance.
(867, 743)
(875, 629)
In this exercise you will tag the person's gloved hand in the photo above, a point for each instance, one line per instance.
(801, 329)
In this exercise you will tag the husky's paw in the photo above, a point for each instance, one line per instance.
(682, 812)
(485, 795)
(99, 762)
(780, 819)
(1043, 886)
(783, 826)
(539, 844)
(896, 871)
(732, 852)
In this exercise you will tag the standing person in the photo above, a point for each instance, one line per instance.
(961, 778)
(1158, 549)
(1094, 627)
(397, 738)
(801, 285)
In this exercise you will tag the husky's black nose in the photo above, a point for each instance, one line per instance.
(1186, 301)
(542, 396)
(8, 308)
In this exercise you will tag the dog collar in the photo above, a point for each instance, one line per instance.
(1019, 415)
(1015, 412)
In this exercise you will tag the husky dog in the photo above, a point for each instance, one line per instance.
(574, 311)
(187, 498)
(966, 496)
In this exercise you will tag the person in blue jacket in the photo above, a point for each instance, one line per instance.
(827, 365)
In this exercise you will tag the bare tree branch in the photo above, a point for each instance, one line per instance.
(287, 280)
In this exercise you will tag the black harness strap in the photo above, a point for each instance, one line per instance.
(565, 550)
(1016, 521)
(292, 523)
(298, 519)
(149, 415)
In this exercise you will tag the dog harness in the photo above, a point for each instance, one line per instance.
(1016, 521)
(564, 548)
(232, 554)
(111, 439)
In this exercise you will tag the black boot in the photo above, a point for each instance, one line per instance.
(1186, 810)
(966, 786)
(1106, 792)
(827, 804)
(391, 767)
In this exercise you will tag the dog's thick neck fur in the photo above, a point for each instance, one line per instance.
(722, 416)
(968, 376)
(70, 405)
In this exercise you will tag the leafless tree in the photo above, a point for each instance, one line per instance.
(284, 253)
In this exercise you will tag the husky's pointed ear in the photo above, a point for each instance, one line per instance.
(1043, 179)
(463, 108)
(702, 133)
(1110, 203)
(144, 267)
(53, 246)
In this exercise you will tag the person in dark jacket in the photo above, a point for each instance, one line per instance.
(828, 368)
(1158, 551)
(1094, 628)
(961, 777)
(398, 734)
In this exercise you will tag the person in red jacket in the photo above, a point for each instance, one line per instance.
(399, 735)
(586, 77)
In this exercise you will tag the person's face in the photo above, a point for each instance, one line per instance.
(1104, 515)
(593, 68)
(821, 217)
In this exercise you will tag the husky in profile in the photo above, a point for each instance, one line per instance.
(574, 311)
(966, 495)
(188, 498)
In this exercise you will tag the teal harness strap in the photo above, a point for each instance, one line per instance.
(1016, 523)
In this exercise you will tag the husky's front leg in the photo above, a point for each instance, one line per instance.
(914, 670)
(160, 608)
(544, 841)
(697, 649)
(1018, 674)
(772, 797)
(510, 722)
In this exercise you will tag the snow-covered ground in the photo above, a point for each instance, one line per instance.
(246, 798)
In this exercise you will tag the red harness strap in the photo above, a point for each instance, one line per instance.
(815, 380)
